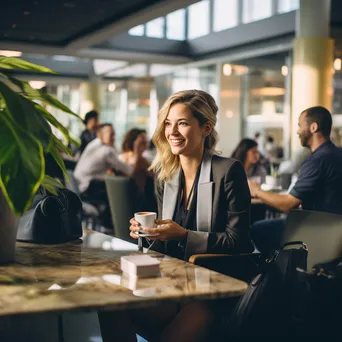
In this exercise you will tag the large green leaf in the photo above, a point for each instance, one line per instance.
(58, 143)
(25, 113)
(22, 164)
(37, 94)
(58, 158)
(50, 184)
(17, 63)
(53, 121)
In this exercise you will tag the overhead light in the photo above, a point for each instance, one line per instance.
(284, 70)
(8, 53)
(240, 69)
(268, 90)
(37, 84)
(229, 114)
(227, 69)
(111, 87)
(337, 64)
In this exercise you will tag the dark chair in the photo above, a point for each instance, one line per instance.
(240, 266)
(321, 232)
(121, 202)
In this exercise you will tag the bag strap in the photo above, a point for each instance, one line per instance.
(294, 243)
(291, 243)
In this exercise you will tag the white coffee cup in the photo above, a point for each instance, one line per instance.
(146, 219)
(271, 181)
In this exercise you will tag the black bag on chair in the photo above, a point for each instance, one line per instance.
(52, 219)
(322, 313)
(272, 298)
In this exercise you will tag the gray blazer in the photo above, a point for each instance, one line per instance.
(223, 207)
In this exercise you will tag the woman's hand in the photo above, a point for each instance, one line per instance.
(134, 227)
(167, 230)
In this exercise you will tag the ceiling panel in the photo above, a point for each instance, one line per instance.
(59, 22)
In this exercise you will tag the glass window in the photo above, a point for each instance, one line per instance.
(198, 19)
(136, 31)
(155, 28)
(253, 10)
(225, 14)
(287, 5)
(175, 25)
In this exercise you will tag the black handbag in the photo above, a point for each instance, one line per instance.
(52, 219)
(271, 300)
(322, 313)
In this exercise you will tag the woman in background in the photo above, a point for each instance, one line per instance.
(143, 179)
(247, 153)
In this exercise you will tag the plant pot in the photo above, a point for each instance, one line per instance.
(8, 232)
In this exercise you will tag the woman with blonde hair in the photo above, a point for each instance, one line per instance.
(203, 205)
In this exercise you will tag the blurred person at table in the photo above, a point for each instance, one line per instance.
(89, 134)
(100, 158)
(203, 207)
(247, 153)
(143, 178)
(259, 138)
(318, 186)
(151, 152)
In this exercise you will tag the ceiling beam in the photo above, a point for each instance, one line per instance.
(141, 17)
(131, 56)
(93, 53)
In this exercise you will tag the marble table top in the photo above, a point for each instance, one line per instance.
(85, 275)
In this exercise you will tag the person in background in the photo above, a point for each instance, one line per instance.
(143, 178)
(319, 183)
(100, 158)
(260, 140)
(203, 207)
(89, 134)
(271, 149)
(127, 152)
(247, 153)
(151, 152)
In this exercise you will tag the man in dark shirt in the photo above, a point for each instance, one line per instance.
(89, 134)
(319, 185)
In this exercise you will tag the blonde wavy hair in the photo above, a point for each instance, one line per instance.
(204, 109)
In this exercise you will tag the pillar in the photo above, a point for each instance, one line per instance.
(313, 53)
(229, 115)
(89, 97)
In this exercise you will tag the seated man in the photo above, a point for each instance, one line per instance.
(319, 185)
(98, 159)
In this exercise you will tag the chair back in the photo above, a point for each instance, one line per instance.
(321, 232)
(121, 203)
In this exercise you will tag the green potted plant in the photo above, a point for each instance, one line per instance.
(25, 137)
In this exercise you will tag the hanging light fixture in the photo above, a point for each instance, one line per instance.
(37, 84)
(338, 64)
(268, 90)
(227, 69)
(284, 70)
(8, 53)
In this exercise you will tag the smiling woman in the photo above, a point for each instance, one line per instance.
(203, 207)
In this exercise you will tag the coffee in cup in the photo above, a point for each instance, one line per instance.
(146, 219)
